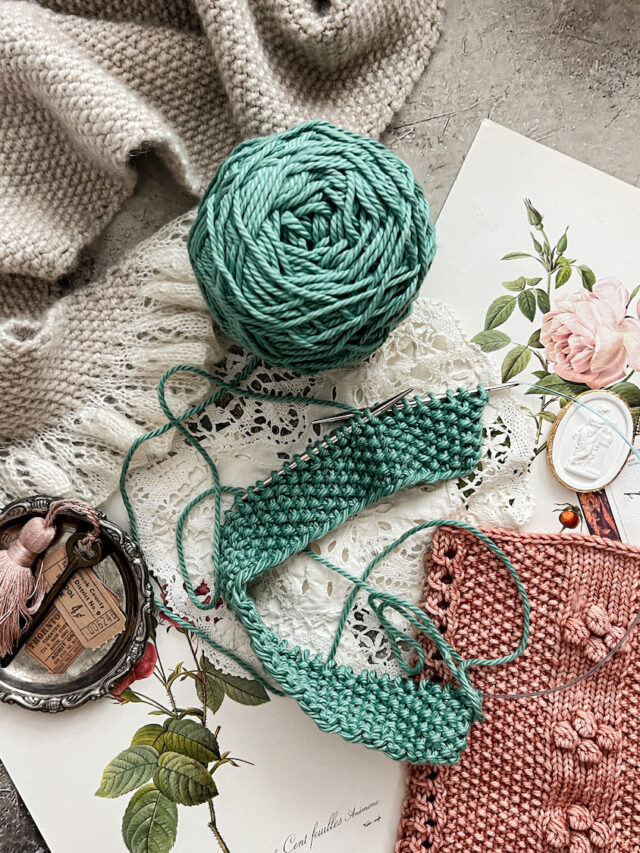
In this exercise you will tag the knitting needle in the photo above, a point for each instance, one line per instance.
(392, 402)
(377, 410)
(397, 403)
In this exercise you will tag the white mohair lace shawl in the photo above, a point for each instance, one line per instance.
(301, 600)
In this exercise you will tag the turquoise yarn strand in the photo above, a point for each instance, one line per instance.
(310, 246)
(174, 423)
(217, 489)
(420, 620)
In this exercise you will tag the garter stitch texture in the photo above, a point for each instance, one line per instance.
(310, 246)
(555, 774)
(435, 440)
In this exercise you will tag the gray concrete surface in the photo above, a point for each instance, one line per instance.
(564, 72)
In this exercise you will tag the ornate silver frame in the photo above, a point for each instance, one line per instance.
(139, 613)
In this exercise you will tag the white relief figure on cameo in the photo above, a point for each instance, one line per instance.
(590, 441)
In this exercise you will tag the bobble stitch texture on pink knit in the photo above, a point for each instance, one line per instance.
(588, 738)
(535, 758)
(575, 829)
(594, 631)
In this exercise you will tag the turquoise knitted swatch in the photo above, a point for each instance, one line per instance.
(356, 465)
(420, 722)
(431, 441)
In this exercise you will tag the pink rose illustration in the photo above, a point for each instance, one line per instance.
(588, 336)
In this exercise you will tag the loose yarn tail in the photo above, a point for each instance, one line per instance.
(20, 592)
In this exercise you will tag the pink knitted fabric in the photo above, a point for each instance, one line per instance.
(545, 775)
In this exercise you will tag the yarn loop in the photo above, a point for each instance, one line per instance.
(311, 245)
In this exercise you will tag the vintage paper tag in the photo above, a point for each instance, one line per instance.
(85, 615)
(54, 644)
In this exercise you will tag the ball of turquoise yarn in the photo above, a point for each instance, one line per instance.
(311, 245)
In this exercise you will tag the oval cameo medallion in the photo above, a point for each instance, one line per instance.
(583, 451)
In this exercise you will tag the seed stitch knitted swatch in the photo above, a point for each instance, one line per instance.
(434, 440)
(555, 774)
(438, 439)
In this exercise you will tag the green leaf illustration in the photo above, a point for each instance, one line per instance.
(527, 303)
(537, 246)
(547, 416)
(491, 340)
(512, 256)
(215, 690)
(515, 286)
(177, 672)
(515, 362)
(534, 340)
(588, 276)
(127, 771)
(183, 780)
(520, 283)
(563, 275)
(128, 695)
(192, 739)
(628, 391)
(543, 300)
(149, 735)
(561, 245)
(245, 691)
(150, 823)
(499, 311)
(553, 383)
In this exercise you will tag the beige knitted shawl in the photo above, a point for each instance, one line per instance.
(84, 86)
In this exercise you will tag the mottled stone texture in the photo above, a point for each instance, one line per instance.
(18, 833)
(564, 73)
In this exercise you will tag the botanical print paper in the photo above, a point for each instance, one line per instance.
(301, 783)
(485, 219)
(624, 499)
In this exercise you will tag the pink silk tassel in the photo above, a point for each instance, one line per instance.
(19, 593)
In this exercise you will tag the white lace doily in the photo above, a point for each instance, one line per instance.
(302, 600)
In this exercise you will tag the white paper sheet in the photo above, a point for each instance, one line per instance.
(303, 783)
(624, 497)
(303, 778)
